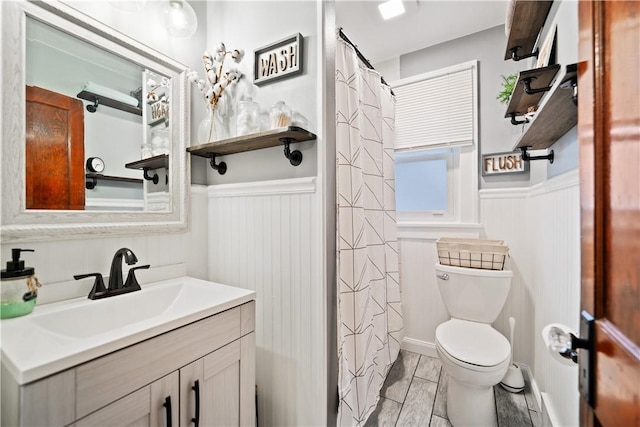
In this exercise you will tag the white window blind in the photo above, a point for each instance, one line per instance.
(437, 109)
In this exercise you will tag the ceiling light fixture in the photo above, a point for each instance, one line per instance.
(391, 9)
(180, 19)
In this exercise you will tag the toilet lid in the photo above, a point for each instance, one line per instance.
(472, 342)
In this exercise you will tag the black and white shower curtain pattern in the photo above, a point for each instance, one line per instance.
(369, 312)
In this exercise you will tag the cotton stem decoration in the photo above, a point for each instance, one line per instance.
(154, 86)
(217, 79)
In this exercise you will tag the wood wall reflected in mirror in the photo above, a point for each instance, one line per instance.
(54, 151)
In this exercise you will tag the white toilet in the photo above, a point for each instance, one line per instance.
(475, 355)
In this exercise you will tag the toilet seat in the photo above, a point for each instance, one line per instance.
(473, 345)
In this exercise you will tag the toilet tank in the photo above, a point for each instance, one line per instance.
(473, 294)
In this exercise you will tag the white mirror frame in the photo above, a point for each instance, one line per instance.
(20, 224)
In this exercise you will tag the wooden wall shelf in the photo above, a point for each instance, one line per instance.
(91, 179)
(113, 178)
(520, 101)
(151, 163)
(102, 100)
(255, 141)
(155, 162)
(556, 115)
(528, 19)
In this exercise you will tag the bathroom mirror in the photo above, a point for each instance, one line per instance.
(127, 170)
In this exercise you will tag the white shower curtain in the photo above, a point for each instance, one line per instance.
(370, 326)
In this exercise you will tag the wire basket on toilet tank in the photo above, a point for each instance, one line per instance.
(472, 253)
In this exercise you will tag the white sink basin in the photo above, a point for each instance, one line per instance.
(108, 314)
(57, 336)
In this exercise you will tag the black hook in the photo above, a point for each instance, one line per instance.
(90, 185)
(220, 167)
(516, 57)
(527, 157)
(571, 83)
(527, 86)
(518, 122)
(93, 108)
(154, 178)
(295, 157)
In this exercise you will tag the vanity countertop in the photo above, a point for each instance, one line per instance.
(58, 336)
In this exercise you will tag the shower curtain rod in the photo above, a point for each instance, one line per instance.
(366, 62)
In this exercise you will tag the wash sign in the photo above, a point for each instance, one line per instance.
(503, 163)
(278, 60)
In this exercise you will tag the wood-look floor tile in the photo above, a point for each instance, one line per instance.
(429, 368)
(417, 401)
(511, 408)
(399, 378)
(418, 406)
(437, 421)
(386, 414)
(440, 406)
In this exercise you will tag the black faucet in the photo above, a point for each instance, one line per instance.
(115, 274)
(115, 287)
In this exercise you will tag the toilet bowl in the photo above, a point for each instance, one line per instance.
(474, 355)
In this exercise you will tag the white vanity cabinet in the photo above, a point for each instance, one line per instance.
(149, 406)
(130, 386)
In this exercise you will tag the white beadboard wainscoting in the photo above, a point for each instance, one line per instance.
(264, 236)
(541, 226)
(422, 307)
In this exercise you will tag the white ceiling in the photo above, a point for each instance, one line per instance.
(426, 23)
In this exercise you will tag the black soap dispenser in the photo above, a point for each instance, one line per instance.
(19, 287)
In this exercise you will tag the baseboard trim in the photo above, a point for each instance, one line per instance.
(535, 390)
(419, 346)
(548, 415)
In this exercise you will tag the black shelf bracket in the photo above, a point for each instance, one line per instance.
(91, 183)
(527, 86)
(571, 83)
(220, 167)
(516, 57)
(93, 108)
(153, 178)
(527, 157)
(295, 157)
(518, 122)
(107, 102)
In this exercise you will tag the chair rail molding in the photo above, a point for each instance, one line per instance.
(264, 188)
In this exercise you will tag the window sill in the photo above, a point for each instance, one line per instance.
(434, 230)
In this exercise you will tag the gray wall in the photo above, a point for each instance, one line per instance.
(260, 23)
(496, 133)
(564, 15)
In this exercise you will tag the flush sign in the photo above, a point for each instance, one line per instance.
(503, 163)
(278, 60)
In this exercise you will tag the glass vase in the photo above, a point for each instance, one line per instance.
(213, 127)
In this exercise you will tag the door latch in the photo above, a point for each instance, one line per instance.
(586, 357)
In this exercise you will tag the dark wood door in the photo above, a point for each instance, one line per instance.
(609, 139)
(54, 151)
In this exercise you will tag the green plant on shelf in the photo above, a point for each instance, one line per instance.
(508, 83)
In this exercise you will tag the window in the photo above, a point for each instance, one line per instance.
(422, 181)
(435, 152)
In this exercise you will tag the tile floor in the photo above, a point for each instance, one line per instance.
(415, 392)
